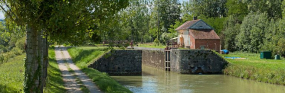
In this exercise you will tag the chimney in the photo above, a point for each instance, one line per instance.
(195, 18)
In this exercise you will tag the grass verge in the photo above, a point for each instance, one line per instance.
(83, 56)
(12, 75)
(151, 45)
(54, 82)
(263, 70)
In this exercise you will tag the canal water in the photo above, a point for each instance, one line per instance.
(159, 81)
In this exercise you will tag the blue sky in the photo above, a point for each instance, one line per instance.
(2, 15)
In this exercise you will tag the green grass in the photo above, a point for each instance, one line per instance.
(263, 70)
(151, 45)
(54, 82)
(12, 75)
(83, 56)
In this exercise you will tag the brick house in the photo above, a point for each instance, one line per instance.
(197, 34)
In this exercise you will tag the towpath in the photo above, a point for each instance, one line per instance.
(65, 63)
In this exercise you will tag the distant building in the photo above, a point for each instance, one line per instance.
(197, 34)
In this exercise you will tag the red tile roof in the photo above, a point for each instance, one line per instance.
(203, 34)
(186, 25)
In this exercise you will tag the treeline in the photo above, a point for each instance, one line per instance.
(243, 25)
(142, 21)
(255, 26)
(12, 39)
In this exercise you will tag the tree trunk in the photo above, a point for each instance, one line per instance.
(33, 68)
(45, 59)
(40, 58)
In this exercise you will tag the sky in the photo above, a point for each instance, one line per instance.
(2, 14)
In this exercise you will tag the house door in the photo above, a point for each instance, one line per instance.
(181, 41)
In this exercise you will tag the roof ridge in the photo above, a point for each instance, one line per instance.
(186, 25)
(200, 20)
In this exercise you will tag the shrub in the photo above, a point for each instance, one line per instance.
(21, 43)
(156, 42)
(1, 58)
(17, 51)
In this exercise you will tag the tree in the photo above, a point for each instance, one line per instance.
(283, 8)
(271, 7)
(252, 32)
(64, 20)
(231, 31)
(237, 8)
(164, 13)
(209, 8)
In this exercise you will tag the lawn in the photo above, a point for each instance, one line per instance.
(82, 56)
(263, 70)
(253, 59)
(12, 75)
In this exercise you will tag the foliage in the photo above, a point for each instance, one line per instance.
(10, 37)
(280, 46)
(54, 82)
(274, 33)
(271, 7)
(252, 32)
(283, 9)
(83, 56)
(164, 14)
(262, 70)
(230, 33)
(237, 8)
(156, 42)
(12, 75)
(209, 8)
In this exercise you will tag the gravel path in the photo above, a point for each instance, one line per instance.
(70, 82)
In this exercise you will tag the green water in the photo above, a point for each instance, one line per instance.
(159, 81)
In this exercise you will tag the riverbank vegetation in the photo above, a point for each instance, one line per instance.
(83, 56)
(263, 70)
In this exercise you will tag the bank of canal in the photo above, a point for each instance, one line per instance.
(159, 81)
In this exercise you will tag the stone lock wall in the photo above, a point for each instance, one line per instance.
(196, 61)
(154, 58)
(129, 62)
(120, 62)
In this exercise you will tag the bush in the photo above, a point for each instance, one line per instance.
(1, 59)
(156, 42)
(17, 51)
(21, 43)
(3, 48)
(4, 57)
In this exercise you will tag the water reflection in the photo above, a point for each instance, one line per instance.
(159, 81)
